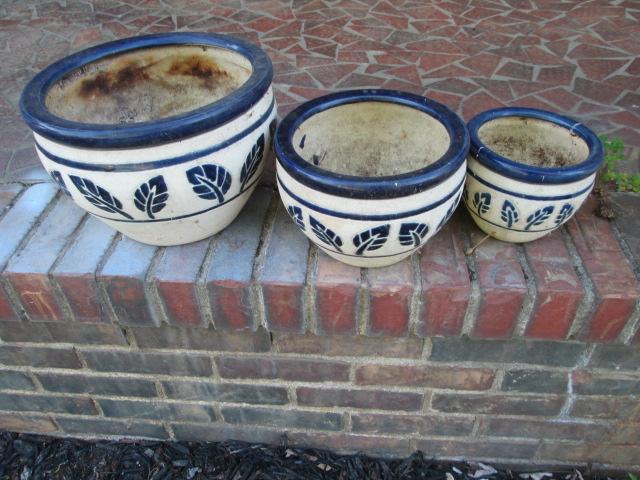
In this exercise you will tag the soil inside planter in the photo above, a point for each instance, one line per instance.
(533, 142)
(371, 139)
(147, 84)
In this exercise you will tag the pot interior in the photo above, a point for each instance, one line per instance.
(147, 84)
(532, 141)
(371, 139)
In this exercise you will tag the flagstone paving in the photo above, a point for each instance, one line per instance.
(576, 57)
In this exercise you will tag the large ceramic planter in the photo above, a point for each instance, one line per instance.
(528, 171)
(370, 175)
(160, 136)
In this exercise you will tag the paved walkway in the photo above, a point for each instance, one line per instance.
(576, 57)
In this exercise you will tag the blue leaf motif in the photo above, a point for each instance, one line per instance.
(449, 213)
(324, 234)
(272, 128)
(539, 216)
(412, 233)
(482, 201)
(152, 196)
(209, 181)
(57, 177)
(371, 239)
(98, 196)
(296, 214)
(565, 212)
(252, 162)
(509, 213)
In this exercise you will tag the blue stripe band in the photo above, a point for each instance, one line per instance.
(529, 197)
(167, 162)
(357, 216)
(321, 247)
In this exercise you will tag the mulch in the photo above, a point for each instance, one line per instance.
(29, 457)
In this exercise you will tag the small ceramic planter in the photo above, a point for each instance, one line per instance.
(528, 171)
(370, 175)
(161, 136)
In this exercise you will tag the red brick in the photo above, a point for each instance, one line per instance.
(545, 429)
(123, 276)
(599, 69)
(568, 452)
(175, 278)
(390, 290)
(18, 422)
(230, 274)
(561, 75)
(537, 56)
(478, 448)
(613, 407)
(294, 369)
(283, 275)
(516, 70)
(502, 288)
(14, 226)
(498, 404)
(425, 376)
(28, 271)
(588, 383)
(595, 91)
(327, 77)
(75, 272)
(634, 67)
(450, 100)
(479, 102)
(337, 287)
(407, 424)
(559, 290)
(433, 61)
(216, 432)
(445, 283)
(483, 64)
(348, 443)
(615, 285)
(372, 399)
(350, 346)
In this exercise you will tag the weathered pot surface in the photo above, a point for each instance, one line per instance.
(370, 175)
(528, 171)
(160, 136)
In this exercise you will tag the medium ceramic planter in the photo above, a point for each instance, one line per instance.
(370, 175)
(162, 137)
(528, 171)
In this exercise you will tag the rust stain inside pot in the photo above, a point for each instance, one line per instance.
(149, 84)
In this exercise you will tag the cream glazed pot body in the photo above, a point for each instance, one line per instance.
(174, 181)
(518, 203)
(333, 222)
(370, 222)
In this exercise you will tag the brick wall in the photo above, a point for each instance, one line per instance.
(518, 354)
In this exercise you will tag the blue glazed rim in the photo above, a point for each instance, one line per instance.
(371, 187)
(529, 173)
(45, 123)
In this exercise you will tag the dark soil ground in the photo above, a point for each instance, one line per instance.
(27, 457)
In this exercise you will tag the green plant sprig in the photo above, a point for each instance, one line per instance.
(613, 153)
